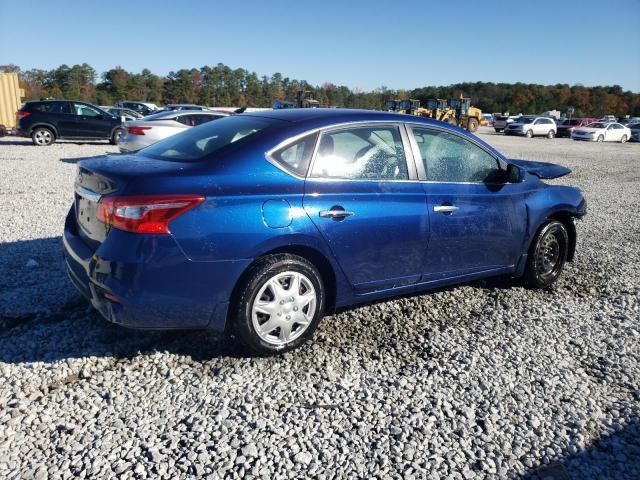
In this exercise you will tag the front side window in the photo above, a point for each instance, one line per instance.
(361, 153)
(85, 110)
(450, 158)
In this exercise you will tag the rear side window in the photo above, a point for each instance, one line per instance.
(361, 153)
(196, 143)
(49, 107)
(296, 156)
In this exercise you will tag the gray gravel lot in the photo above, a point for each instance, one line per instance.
(486, 380)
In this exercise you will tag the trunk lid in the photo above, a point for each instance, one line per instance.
(107, 175)
(543, 170)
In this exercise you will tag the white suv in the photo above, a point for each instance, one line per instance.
(530, 126)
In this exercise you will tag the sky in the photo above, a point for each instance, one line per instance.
(361, 44)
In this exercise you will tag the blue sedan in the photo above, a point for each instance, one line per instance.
(259, 224)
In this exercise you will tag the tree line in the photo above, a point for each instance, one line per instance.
(221, 85)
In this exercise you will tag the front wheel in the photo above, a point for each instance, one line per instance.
(547, 255)
(600, 138)
(115, 137)
(551, 134)
(280, 304)
(472, 125)
(529, 134)
(623, 139)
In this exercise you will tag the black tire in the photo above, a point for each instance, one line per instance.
(551, 134)
(115, 137)
(259, 275)
(43, 137)
(472, 125)
(623, 139)
(3, 131)
(547, 255)
(529, 134)
(600, 138)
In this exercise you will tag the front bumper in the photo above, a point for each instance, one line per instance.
(146, 281)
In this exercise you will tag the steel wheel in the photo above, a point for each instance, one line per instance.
(547, 255)
(42, 137)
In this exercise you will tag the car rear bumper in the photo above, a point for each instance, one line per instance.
(146, 281)
(132, 143)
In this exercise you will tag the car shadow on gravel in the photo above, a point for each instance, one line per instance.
(616, 455)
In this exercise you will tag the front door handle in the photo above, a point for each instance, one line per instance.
(445, 208)
(337, 214)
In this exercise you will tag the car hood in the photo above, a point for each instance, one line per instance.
(542, 170)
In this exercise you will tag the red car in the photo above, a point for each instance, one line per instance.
(566, 126)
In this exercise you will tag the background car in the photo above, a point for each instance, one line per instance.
(143, 108)
(500, 122)
(46, 121)
(148, 130)
(602, 132)
(635, 132)
(260, 223)
(126, 113)
(487, 118)
(530, 126)
(566, 126)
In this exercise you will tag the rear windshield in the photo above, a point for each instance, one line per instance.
(198, 142)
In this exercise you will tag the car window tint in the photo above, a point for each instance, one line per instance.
(85, 110)
(364, 153)
(450, 158)
(196, 143)
(50, 107)
(200, 119)
(297, 156)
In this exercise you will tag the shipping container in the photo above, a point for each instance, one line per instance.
(10, 99)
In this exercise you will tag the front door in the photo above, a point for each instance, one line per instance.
(90, 122)
(365, 199)
(477, 222)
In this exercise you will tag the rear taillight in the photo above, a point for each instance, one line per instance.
(137, 130)
(23, 114)
(145, 213)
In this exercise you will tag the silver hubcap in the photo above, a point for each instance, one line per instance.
(284, 308)
(43, 137)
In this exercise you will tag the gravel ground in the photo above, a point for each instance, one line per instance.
(486, 380)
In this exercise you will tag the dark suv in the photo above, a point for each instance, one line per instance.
(45, 121)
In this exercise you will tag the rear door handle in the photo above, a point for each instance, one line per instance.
(445, 208)
(335, 213)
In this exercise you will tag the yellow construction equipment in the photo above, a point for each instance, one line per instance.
(10, 100)
(439, 110)
(467, 116)
(392, 105)
(412, 107)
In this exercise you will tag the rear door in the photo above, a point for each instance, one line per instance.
(58, 114)
(364, 197)
(477, 222)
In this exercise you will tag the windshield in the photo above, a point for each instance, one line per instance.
(198, 142)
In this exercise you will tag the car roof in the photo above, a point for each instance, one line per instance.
(333, 114)
(175, 113)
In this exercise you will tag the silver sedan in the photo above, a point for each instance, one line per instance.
(153, 128)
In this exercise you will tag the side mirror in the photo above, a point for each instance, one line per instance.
(515, 174)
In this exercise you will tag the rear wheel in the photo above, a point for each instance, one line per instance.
(115, 137)
(547, 255)
(529, 134)
(280, 304)
(623, 139)
(472, 125)
(600, 138)
(551, 134)
(42, 136)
